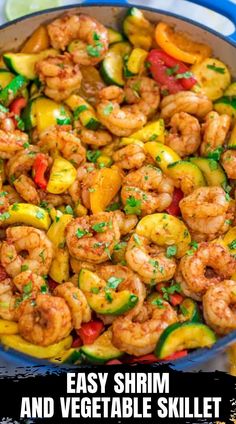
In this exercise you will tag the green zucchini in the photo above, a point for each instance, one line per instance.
(138, 29)
(231, 90)
(112, 66)
(114, 36)
(70, 356)
(83, 111)
(189, 311)
(24, 63)
(186, 335)
(12, 90)
(226, 105)
(101, 298)
(212, 171)
(188, 174)
(5, 78)
(29, 115)
(102, 350)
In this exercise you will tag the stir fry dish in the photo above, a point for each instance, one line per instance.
(117, 206)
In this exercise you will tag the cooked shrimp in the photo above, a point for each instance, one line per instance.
(206, 267)
(59, 75)
(144, 92)
(45, 321)
(30, 280)
(151, 190)
(90, 35)
(186, 101)
(149, 260)
(30, 240)
(185, 134)
(27, 189)
(121, 121)
(7, 300)
(126, 222)
(21, 162)
(129, 281)
(205, 211)
(140, 338)
(92, 238)
(63, 139)
(55, 200)
(215, 131)
(76, 267)
(11, 195)
(95, 138)
(76, 301)
(219, 307)
(11, 142)
(129, 157)
(228, 161)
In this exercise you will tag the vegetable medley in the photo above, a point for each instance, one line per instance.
(117, 209)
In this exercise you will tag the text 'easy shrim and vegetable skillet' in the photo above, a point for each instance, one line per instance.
(118, 168)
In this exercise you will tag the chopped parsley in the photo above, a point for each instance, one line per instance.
(96, 37)
(158, 302)
(173, 70)
(227, 197)
(94, 290)
(44, 289)
(3, 193)
(63, 121)
(173, 288)
(232, 245)
(41, 255)
(94, 51)
(120, 246)
(113, 282)
(215, 68)
(133, 206)
(69, 210)
(108, 295)
(107, 251)
(26, 145)
(93, 155)
(153, 137)
(213, 164)
(80, 232)
(99, 227)
(24, 268)
(4, 216)
(216, 153)
(108, 109)
(171, 251)
(158, 158)
(27, 288)
(194, 246)
(184, 75)
(137, 239)
(15, 207)
(39, 214)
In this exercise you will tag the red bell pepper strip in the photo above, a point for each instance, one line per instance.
(175, 299)
(90, 331)
(39, 168)
(167, 72)
(113, 362)
(176, 355)
(174, 208)
(17, 105)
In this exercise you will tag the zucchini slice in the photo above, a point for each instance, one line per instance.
(102, 350)
(112, 66)
(186, 335)
(187, 175)
(102, 298)
(84, 111)
(114, 36)
(212, 171)
(226, 105)
(12, 90)
(138, 29)
(24, 63)
(5, 78)
(70, 356)
(189, 311)
(231, 90)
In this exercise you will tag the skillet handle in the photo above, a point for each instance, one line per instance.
(225, 8)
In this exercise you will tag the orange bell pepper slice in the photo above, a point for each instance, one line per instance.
(38, 41)
(177, 45)
(106, 185)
